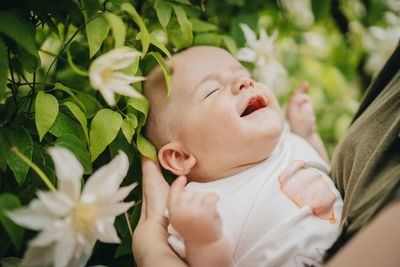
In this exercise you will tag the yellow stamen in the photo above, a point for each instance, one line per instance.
(84, 216)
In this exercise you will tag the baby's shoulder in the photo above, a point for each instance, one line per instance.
(300, 149)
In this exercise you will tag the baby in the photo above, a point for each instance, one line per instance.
(257, 195)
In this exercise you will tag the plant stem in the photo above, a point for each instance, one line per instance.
(13, 89)
(128, 223)
(39, 172)
(33, 91)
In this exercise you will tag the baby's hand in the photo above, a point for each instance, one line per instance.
(300, 113)
(194, 215)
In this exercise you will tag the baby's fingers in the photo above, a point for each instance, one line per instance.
(210, 200)
(303, 88)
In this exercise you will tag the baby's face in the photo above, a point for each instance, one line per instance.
(228, 121)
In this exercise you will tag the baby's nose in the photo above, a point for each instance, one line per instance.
(243, 83)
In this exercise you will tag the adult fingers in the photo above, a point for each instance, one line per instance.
(177, 187)
(155, 189)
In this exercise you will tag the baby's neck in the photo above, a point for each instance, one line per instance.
(205, 178)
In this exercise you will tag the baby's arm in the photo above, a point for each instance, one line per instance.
(195, 217)
(301, 117)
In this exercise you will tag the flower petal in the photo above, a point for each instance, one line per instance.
(64, 249)
(107, 232)
(116, 209)
(36, 216)
(126, 78)
(248, 34)
(125, 60)
(69, 171)
(56, 202)
(246, 54)
(115, 59)
(96, 80)
(106, 180)
(125, 89)
(108, 95)
(38, 256)
(122, 193)
(50, 235)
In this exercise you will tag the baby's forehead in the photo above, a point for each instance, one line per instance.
(196, 62)
(204, 56)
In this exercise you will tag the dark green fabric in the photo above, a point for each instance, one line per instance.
(366, 163)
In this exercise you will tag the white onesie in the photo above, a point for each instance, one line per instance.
(274, 218)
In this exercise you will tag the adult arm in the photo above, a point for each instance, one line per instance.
(376, 245)
(149, 242)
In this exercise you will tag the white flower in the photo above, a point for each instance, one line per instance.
(394, 5)
(317, 43)
(381, 42)
(71, 221)
(274, 75)
(104, 76)
(263, 54)
(299, 11)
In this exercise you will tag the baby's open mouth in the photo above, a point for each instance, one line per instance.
(255, 103)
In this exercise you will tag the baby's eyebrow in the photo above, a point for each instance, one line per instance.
(216, 76)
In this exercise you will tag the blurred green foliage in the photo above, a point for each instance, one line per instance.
(46, 47)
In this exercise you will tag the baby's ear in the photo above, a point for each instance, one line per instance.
(174, 158)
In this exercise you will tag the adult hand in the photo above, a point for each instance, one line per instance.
(149, 242)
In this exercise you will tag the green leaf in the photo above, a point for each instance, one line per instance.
(10, 262)
(69, 91)
(120, 143)
(52, 26)
(208, 39)
(20, 30)
(75, 68)
(90, 8)
(4, 244)
(104, 128)
(46, 110)
(186, 25)
(3, 152)
(79, 115)
(185, 2)
(163, 10)
(3, 68)
(202, 26)
(230, 44)
(146, 148)
(16, 233)
(165, 70)
(66, 125)
(92, 105)
(20, 138)
(79, 148)
(28, 62)
(177, 38)
(118, 28)
(97, 30)
(144, 34)
(140, 104)
(129, 125)
(156, 43)
(126, 244)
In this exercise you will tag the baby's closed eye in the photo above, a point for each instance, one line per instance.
(211, 92)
